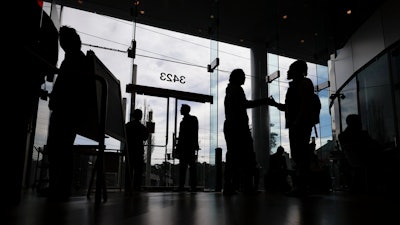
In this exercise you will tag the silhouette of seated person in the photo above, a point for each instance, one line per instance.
(362, 153)
(276, 179)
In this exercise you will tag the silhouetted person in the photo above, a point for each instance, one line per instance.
(67, 102)
(276, 179)
(33, 56)
(136, 134)
(187, 146)
(299, 121)
(240, 155)
(361, 152)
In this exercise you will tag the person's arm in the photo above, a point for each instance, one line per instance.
(258, 102)
(279, 106)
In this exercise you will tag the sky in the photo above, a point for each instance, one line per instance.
(158, 52)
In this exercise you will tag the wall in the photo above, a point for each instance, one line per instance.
(375, 35)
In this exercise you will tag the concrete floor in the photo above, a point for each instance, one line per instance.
(208, 208)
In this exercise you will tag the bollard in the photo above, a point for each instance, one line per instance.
(218, 168)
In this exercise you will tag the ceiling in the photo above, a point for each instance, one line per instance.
(313, 30)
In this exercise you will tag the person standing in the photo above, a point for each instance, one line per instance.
(136, 134)
(67, 102)
(240, 156)
(300, 121)
(187, 147)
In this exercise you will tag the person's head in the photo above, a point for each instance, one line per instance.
(298, 69)
(69, 39)
(185, 109)
(137, 114)
(237, 77)
(354, 121)
(280, 150)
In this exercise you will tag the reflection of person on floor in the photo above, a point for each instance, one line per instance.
(67, 103)
(277, 175)
(136, 134)
(187, 146)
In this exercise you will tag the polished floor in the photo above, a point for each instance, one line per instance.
(208, 208)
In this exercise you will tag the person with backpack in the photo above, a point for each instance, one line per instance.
(301, 107)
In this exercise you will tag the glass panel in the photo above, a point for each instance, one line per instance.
(274, 115)
(214, 106)
(395, 57)
(324, 127)
(172, 67)
(346, 101)
(375, 97)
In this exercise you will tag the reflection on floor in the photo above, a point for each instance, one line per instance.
(208, 208)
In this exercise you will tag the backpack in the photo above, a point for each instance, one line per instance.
(315, 109)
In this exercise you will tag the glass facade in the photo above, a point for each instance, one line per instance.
(176, 61)
(375, 98)
(274, 91)
(373, 93)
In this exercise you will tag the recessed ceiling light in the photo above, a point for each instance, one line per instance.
(284, 17)
(348, 12)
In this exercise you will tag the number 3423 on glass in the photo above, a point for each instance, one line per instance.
(172, 78)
